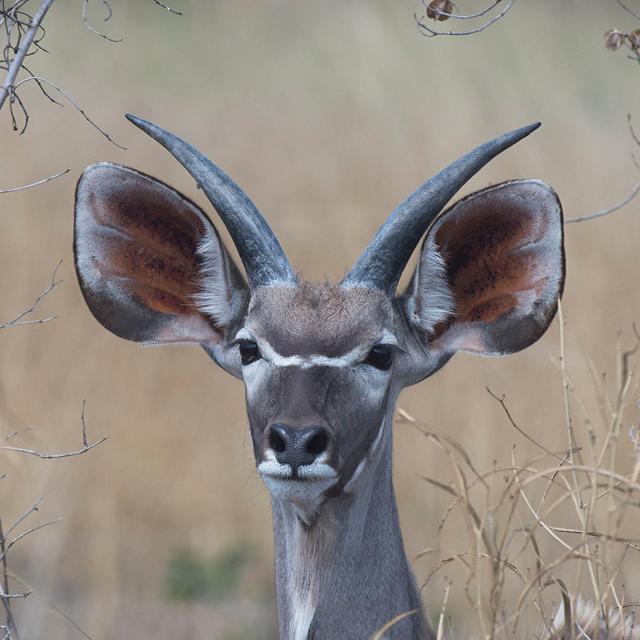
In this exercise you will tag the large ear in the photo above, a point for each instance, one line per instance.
(150, 263)
(490, 272)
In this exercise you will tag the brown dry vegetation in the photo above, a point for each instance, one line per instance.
(328, 114)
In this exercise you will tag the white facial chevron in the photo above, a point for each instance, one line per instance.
(348, 359)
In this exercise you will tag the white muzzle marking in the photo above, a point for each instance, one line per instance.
(319, 469)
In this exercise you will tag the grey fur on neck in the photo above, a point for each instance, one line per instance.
(349, 567)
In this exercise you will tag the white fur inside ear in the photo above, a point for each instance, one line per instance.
(216, 296)
(432, 300)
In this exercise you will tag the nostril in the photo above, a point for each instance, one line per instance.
(318, 443)
(276, 441)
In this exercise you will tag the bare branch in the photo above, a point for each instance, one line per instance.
(628, 10)
(26, 42)
(35, 184)
(501, 400)
(606, 212)
(13, 434)
(51, 606)
(41, 87)
(56, 456)
(164, 6)
(85, 19)
(15, 99)
(24, 516)
(68, 620)
(6, 602)
(461, 16)
(15, 596)
(73, 102)
(66, 454)
(23, 37)
(10, 629)
(632, 131)
(85, 442)
(24, 534)
(19, 319)
(430, 32)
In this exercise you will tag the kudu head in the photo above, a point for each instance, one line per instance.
(322, 363)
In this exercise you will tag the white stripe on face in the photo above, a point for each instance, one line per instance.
(349, 359)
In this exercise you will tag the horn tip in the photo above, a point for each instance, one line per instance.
(511, 137)
(153, 130)
(139, 122)
(530, 128)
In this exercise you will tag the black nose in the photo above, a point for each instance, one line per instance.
(297, 447)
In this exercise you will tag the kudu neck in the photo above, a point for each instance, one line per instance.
(346, 574)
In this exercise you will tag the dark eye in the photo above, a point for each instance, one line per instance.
(380, 357)
(249, 352)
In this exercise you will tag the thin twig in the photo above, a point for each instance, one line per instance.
(6, 602)
(46, 94)
(53, 608)
(502, 402)
(24, 516)
(85, 19)
(429, 32)
(464, 16)
(168, 8)
(627, 9)
(73, 102)
(606, 212)
(35, 184)
(56, 456)
(24, 534)
(67, 454)
(632, 130)
(85, 442)
(19, 319)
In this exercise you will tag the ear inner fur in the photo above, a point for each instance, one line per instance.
(504, 268)
(137, 252)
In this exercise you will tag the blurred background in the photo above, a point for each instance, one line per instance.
(328, 114)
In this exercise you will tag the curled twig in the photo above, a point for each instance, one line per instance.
(85, 19)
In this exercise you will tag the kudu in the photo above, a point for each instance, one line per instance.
(323, 364)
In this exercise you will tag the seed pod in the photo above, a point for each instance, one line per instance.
(634, 39)
(614, 39)
(436, 9)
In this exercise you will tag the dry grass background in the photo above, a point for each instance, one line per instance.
(328, 114)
